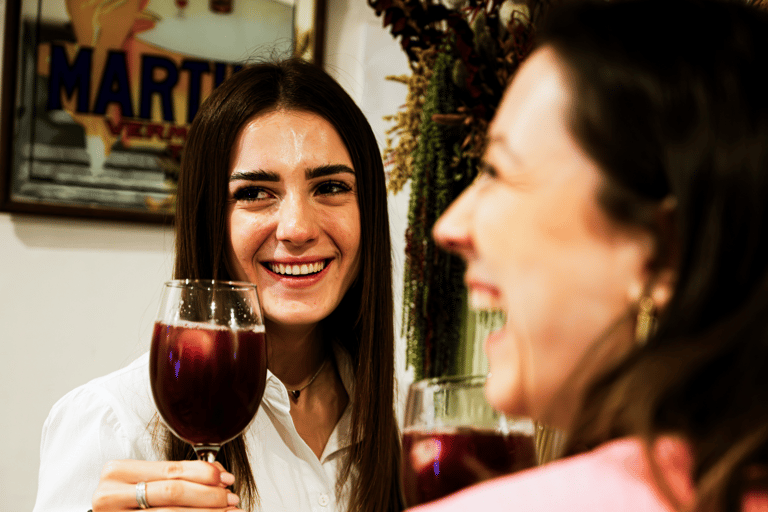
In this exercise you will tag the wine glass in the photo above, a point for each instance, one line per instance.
(208, 361)
(453, 438)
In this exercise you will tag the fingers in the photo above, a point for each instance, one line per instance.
(192, 484)
(227, 478)
(134, 471)
(186, 494)
(110, 496)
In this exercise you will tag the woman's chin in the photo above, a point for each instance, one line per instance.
(501, 391)
(294, 319)
(502, 388)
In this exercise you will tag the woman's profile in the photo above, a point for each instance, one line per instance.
(621, 224)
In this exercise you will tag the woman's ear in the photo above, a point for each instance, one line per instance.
(662, 264)
(662, 287)
(664, 274)
(660, 275)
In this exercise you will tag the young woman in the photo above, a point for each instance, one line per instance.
(621, 223)
(281, 185)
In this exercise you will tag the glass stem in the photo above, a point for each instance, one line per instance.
(206, 452)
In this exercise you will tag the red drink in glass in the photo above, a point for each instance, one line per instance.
(207, 381)
(441, 462)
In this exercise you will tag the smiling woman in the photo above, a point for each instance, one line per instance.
(281, 185)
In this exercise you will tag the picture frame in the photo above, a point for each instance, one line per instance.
(97, 96)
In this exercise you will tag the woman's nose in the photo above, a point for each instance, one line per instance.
(452, 230)
(297, 223)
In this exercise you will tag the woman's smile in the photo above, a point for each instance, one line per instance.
(483, 295)
(296, 269)
(298, 274)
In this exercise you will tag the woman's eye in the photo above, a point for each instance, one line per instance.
(487, 170)
(250, 193)
(330, 188)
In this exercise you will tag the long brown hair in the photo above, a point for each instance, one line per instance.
(364, 320)
(670, 100)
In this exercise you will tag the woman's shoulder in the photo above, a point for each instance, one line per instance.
(615, 476)
(121, 399)
(131, 378)
(105, 419)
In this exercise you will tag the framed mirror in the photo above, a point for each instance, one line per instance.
(98, 95)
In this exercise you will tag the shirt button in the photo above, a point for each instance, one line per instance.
(324, 500)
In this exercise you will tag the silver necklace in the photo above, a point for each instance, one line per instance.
(296, 392)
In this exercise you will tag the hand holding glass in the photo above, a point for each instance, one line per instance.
(208, 361)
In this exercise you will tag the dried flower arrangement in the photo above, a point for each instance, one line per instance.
(461, 57)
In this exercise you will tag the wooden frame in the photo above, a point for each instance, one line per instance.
(95, 105)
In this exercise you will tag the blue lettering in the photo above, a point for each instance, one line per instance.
(220, 74)
(114, 87)
(196, 69)
(163, 87)
(69, 78)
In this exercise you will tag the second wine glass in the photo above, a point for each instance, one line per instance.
(208, 361)
(453, 438)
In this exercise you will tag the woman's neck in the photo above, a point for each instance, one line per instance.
(295, 352)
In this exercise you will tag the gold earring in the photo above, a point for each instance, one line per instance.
(645, 320)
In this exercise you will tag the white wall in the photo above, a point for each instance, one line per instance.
(78, 298)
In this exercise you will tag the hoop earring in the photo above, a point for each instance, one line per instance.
(646, 320)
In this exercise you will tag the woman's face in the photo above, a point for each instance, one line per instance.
(294, 222)
(538, 247)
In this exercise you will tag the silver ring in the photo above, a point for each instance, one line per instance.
(141, 495)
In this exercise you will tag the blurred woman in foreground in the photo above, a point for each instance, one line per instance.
(621, 223)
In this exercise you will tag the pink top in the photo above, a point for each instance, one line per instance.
(619, 468)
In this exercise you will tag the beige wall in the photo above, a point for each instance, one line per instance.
(77, 297)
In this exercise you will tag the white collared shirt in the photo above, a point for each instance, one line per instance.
(107, 419)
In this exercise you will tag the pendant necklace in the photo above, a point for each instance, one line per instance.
(296, 392)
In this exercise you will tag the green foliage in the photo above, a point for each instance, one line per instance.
(433, 288)
(462, 55)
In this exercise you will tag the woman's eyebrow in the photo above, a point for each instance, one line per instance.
(255, 175)
(326, 170)
(315, 172)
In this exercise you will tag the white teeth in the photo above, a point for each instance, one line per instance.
(483, 301)
(297, 270)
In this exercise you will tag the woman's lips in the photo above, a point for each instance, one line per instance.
(300, 279)
(297, 268)
(483, 296)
